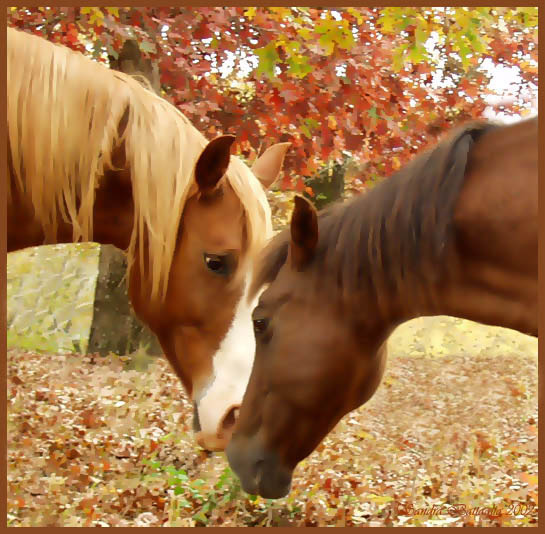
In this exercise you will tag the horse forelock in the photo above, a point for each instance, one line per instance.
(390, 238)
(257, 212)
(162, 182)
(60, 101)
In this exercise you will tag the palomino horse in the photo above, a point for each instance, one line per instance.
(453, 233)
(95, 156)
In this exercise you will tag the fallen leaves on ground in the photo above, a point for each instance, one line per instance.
(93, 443)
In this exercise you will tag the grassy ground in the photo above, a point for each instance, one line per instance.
(100, 442)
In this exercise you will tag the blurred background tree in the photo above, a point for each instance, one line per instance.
(369, 86)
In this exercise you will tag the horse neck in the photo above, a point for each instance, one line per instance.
(475, 287)
(490, 269)
(113, 216)
(113, 211)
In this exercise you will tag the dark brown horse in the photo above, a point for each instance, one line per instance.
(93, 155)
(453, 233)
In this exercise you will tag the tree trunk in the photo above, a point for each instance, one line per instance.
(130, 61)
(327, 186)
(115, 328)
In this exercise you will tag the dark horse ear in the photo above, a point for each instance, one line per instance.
(212, 163)
(304, 233)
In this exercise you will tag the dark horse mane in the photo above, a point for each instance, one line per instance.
(395, 234)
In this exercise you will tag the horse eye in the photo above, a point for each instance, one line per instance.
(260, 325)
(218, 264)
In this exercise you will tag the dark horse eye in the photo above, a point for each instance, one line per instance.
(260, 325)
(218, 264)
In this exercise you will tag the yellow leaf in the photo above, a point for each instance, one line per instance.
(282, 12)
(113, 11)
(281, 41)
(389, 380)
(250, 13)
(364, 435)
(332, 122)
(355, 13)
(528, 66)
(379, 499)
(304, 33)
(531, 480)
(96, 17)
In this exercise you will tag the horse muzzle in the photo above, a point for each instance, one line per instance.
(260, 472)
(215, 438)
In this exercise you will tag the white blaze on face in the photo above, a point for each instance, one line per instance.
(232, 365)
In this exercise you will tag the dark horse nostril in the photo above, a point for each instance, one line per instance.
(230, 419)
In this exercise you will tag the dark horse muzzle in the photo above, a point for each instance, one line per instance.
(260, 472)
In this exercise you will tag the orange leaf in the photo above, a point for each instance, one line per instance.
(72, 453)
(531, 480)
(88, 504)
(90, 420)
(482, 443)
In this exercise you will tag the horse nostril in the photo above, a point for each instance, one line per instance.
(228, 422)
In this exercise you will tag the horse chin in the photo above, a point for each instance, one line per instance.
(264, 477)
(274, 488)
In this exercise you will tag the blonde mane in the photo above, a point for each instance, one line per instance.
(63, 115)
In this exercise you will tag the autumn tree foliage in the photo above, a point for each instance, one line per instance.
(375, 84)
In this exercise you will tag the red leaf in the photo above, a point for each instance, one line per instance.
(286, 182)
(381, 127)
(300, 186)
(202, 32)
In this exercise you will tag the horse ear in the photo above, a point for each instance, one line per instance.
(304, 233)
(212, 163)
(268, 166)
